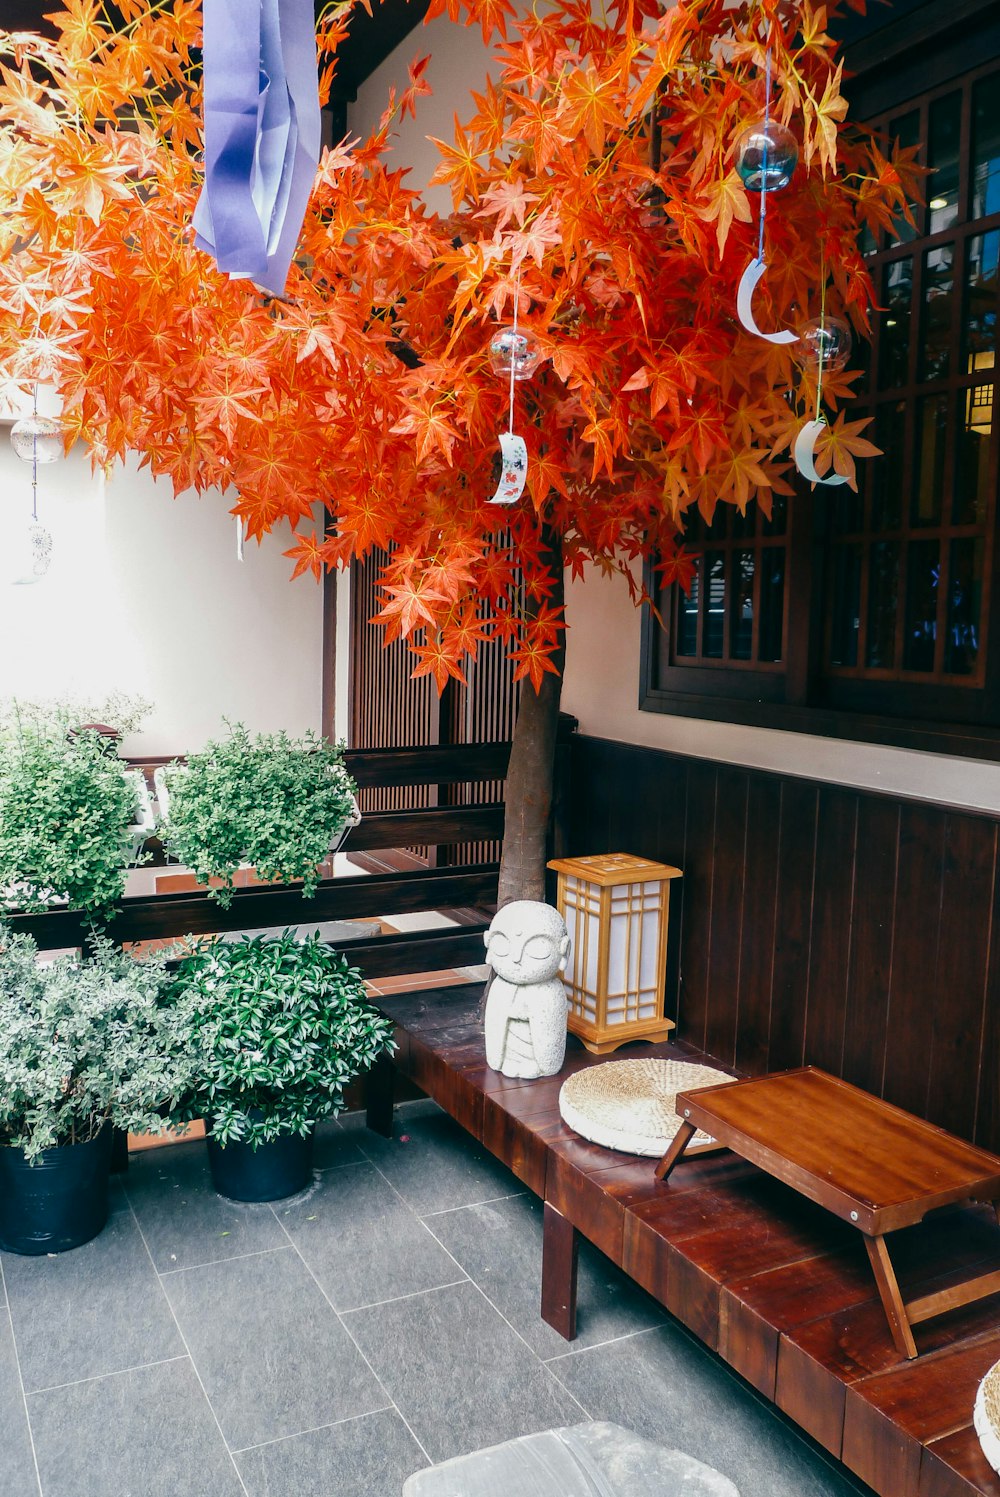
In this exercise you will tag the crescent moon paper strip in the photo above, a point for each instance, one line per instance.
(804, 452)
(744, 305)
(514, 453)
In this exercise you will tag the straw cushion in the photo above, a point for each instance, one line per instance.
(630, 1104)
(986, 1416)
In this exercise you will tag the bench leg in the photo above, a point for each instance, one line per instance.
(892, 1300)
(560, 1247)
(378, 1096)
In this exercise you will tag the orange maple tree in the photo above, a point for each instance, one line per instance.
(594, 181)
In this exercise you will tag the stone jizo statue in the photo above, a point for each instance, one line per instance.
(527, 946)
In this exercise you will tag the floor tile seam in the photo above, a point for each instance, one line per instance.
(515, 1195)
(399, 1194)
(20, 1383)
(184, 1343)
(167, 1273)
(100, 1377)
(524, 1342)
(422, 1217)
(395, 1299)
(347, 1332)
(417, 1294)
(578, 1351)
(346, 1164)
(390, 1408)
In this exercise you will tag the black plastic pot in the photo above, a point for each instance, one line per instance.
(57, 1203)
(268, 1173)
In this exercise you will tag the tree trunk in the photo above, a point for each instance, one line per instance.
(530, 772)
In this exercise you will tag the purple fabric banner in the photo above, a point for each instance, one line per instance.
(262, 135)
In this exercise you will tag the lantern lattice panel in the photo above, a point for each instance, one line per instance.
(616, 910)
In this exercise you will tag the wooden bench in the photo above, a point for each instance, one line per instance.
(778, 1287)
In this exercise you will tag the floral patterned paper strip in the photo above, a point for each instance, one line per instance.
(514, 453)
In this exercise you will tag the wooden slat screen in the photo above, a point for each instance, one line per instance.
(391, 710)
(818, 924)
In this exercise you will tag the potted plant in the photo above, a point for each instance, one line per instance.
(71, 820)
(86, 1045)
(276, 1028)
(275, 803)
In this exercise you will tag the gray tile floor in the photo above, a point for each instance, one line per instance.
(330, 1345)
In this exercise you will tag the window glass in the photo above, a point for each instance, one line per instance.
(944, 142)
(886, 476)
(974, 433)
(935, 342)
(687, 615)
(965, 592)
(922, 575)
(741, 620)
(985, 148)
(894, 340)
(715, 603)
(772, 602)
(932, 431)
(846, 605)
(883, 602)
(979, 331)
(905, 129)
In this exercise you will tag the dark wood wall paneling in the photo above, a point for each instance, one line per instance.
(817, 924)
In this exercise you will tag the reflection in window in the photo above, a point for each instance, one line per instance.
(923, 569)
(772, 602)
(985, 148)
(932, 436)
(846, 605)
(687, 615)
(886, 474)
(894, 343)
(715, 598)
(965, 591)
(972, 455)
(883, 587)
(734, 614)
(980, 328)
(741, 622)
(935, 347)
(943, 158)
(906, 130)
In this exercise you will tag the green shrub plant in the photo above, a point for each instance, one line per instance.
(271, 801)
(276, 1029)
(86, 1043)
(65, 808)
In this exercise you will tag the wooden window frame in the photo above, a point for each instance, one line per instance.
(943, 717)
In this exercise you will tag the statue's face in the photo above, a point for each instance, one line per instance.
(527, 942)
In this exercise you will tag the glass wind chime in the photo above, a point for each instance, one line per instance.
(514, 356)
(767, 154)
(36, 439)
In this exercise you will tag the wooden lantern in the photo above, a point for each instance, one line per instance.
(615, 908)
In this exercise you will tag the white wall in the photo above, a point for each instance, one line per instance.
(145, 595)
(460, 62)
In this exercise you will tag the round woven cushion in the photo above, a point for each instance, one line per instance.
(986, 1416)
(631, 1104)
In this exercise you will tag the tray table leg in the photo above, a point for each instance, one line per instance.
(892, 1300)
(682, 1138)
(560, 1250)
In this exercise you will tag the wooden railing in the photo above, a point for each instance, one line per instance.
(466, 887)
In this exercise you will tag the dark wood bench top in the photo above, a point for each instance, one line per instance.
(782, 1290)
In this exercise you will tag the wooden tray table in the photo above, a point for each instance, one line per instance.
(868, 1162)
